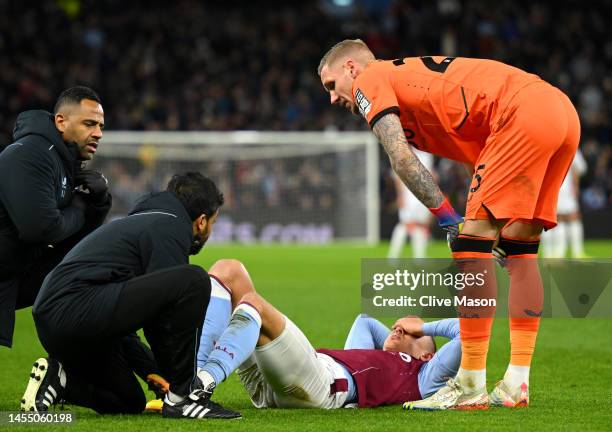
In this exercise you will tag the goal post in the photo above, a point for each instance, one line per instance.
(304, 187)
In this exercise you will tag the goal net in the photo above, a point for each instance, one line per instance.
(304, 187)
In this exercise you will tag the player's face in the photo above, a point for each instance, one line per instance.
(337, 80)
(82, 124)
(399, 341)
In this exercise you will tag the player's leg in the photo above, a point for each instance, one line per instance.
(172, 317)
(295, 375)
(419, 237)
(172, 324)
(472, 253)
(283, 361)
(93, 376)
(229, 282)
(507, 185)
(398, 240)
(520, 241)
(576, 235)
(237, 342)
(418, 227)
(560, 236)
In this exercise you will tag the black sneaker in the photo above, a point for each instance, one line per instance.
(46, 386)
(197, 406)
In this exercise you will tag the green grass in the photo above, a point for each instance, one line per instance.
(319, 288)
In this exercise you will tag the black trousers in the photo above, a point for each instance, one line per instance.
(170, 305)
(20, 290)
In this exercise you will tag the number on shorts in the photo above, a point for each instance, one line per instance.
(478, 178)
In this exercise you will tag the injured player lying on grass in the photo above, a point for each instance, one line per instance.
(279, 368)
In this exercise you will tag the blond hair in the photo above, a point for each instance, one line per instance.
(346, 47)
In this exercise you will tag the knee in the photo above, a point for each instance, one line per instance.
(228, 270)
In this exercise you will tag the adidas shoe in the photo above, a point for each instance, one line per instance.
(197, 406)
(502, 395)
(451, 396)
(46, 386)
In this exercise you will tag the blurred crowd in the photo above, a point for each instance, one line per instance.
(306, 184)
(193, 65)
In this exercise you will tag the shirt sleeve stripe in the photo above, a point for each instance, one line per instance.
(390, 110)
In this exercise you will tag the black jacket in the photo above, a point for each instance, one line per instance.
(37, 175)
(36, 187)
(156, 234)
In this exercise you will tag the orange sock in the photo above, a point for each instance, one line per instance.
(526, 298)
(475, 334)
(473, 256)
(523, 334)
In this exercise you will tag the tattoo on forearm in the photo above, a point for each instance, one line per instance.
(408, 167)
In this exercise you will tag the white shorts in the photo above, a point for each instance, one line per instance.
(414, 211)
(567, 204)
(289, 373)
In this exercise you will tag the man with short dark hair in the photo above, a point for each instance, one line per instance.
(130, 274)
(42, 215)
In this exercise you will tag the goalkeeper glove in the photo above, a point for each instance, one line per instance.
(449, 220)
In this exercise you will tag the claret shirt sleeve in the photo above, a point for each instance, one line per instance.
(374, 95)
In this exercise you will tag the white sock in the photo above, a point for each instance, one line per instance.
(472, 380)
(398, 239)
(516, 375)
(173, 398)
(576, 236)
(418, 240)
(206, 378)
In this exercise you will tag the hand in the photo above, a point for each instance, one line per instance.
(158, 385)
(410, 325)
(94, 182)
(449, 220)
(452, 232)
(78, 201)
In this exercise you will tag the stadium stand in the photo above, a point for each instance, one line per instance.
(193, 65)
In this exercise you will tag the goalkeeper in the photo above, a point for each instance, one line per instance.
(519, 135)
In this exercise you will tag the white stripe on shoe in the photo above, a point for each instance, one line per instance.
(204, 412)
(189, 409)
(195, 412)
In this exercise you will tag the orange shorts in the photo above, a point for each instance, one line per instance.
(520, 170)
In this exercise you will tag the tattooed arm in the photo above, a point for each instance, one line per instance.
(408, 167)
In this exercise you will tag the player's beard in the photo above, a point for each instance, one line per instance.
(197, 244)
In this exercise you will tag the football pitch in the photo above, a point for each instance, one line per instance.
(318, 287)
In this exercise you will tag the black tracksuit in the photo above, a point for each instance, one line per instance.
(129, 274)
(38, 224)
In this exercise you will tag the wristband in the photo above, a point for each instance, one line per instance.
(446, 214)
